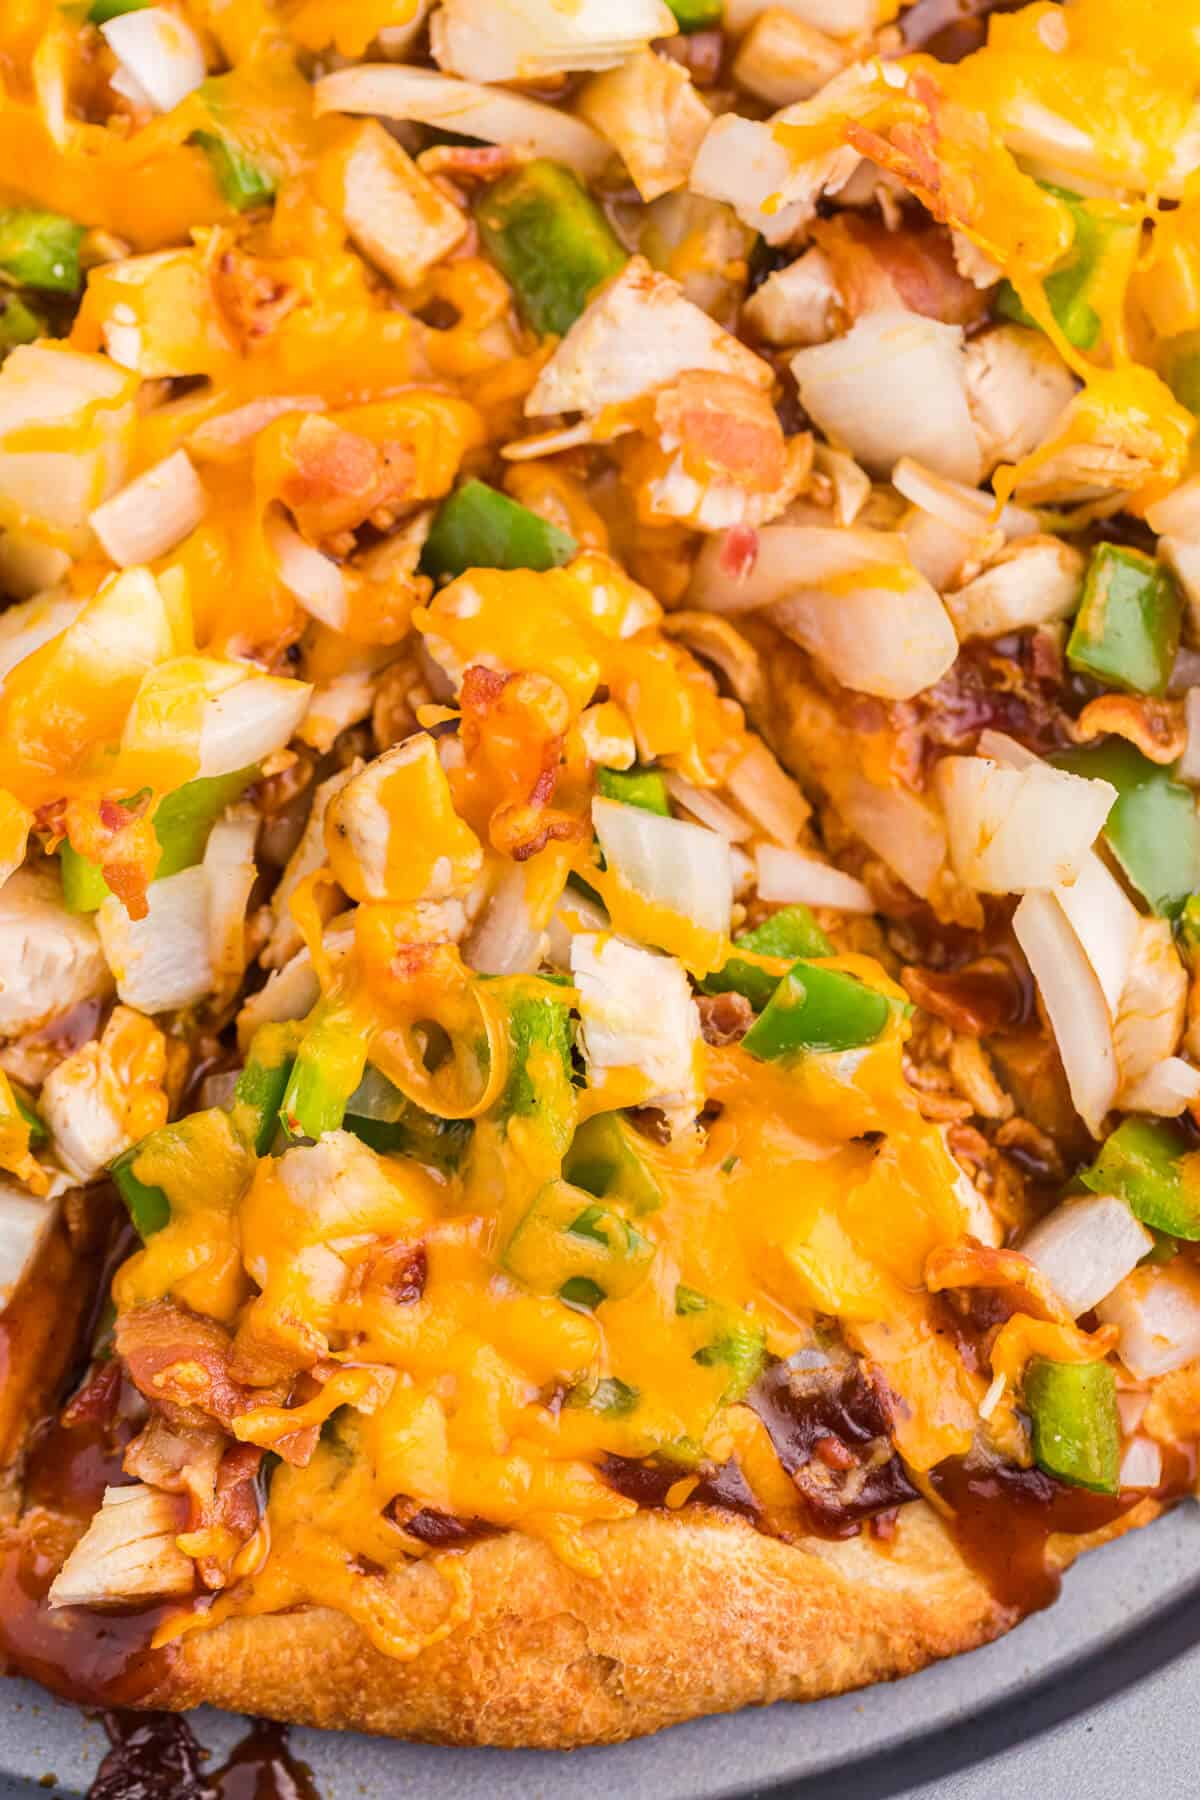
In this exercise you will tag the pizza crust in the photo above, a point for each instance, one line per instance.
(692, 1614)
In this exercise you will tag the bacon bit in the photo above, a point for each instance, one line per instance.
(182, 1362)
(250, 296)
(724, 1018)
(274, 792)
(407, 1274)
(96, 1401)
(833, 1453)
(512, 736)
(471, 162)
(336, 480)
(1156, 727)
(178, 1459)
(727, 429)
(873, 265)
(739, 552)
(1032, 1149)
(970, 1265)
(985, 996)
(120, 837)
(988, 688)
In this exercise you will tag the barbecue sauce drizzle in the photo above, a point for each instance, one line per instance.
(155, 1756)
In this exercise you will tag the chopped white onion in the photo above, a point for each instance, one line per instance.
(1013, 830)
(29, 624)
(162, 961)
(1106, 922)
(1074, 1002)
(707, 810)
(1032, 582)
(527, 40)
(29, 567)
(893, 386)
(396, 91)
(162, 54)
(1166, 1090)
(315, 581)
(789, 877)
(66, 426)
(1157, 1311)
(1141, 1465)
(24, 1223)
(506, 939)
(1085, 1246)
(1131, 1406)
(230, 872)
(153, 514)
(903, 829)
(1182, 557)
(767, 794)
(675, 864)
(246, 723)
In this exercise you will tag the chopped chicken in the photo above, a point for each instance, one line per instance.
(396, 215)
(649, 111)
(639, 333)
(50, 959)
(1031, 582)
(128, 1552)
(783, 59)
(162, 961)
(392, 832)
(24, 1223)
(721, 458)
(639, 1019)
(308, 856)
(1150, 1013)
(797, 305)
(1017, 388)
(106, 1095)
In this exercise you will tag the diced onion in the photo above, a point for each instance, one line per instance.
(160, 52)
(1141, 1465)
(789, 878)
(162, 961)
(767, 794)
(527, 40)
(573, 915)
(1166, 1090)
(315, 581)
(1157, 1311)
(1075, 1003)
(506, 939)
(230, 872)
(1085, 1247)
(678, 865)
(153, 514)
(1105, 921)
(893, 386)
(246, 723)
(707, 810)
(394, 91)
(1131, 1406)
(904, 830)
(25, 627)
(1012, 830)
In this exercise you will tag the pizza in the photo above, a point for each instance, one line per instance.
(599, 874)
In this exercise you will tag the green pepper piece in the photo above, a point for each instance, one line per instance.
(1126, 632)
(738, 976)
(262, 1083)
(243, 184)
(697, 15)
(550, 241)
(583, 1292)
(149, 1209)
(19, 324)
(101, 11)
(478, 527)
(1179, 365)
(1187, 930)
(604, 1160)
(616, 1399)
(38, 1134)
(328, 1068)
(181, 824)
(1103, 234)
(1152, 829)
(564, 1237)
(741, 1347)
(40, 249)
(1150, 1165)
(792, 931)
(816, 1009)
(636, 787)
(1076, 1427)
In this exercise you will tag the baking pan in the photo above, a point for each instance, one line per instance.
(1125, 1612)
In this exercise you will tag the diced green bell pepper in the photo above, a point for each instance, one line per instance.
(1076, 1427)
(19, 324)
(328, 1068)
(1150, 1164)
(1103, 232)
(387, 1121)
(738, 1342)
(478, 527)
(202, 1152)
(615, 1399)
(550, 241)
(1187, 930)
(181, 825)
(816, 1009)
(740, 976)
(567, 1244)
(38, 1134)
(1179, 365)
(1126, 632)
(263, 1082)
(101, 11)
(636, 787)
(604, 1160)
(539, 1057)
(1152, 828)
(243, 184)
(697, 15)
(792, 931)
(40, 249)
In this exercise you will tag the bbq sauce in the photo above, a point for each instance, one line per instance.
(155, 1756)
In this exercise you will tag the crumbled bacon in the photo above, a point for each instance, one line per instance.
(177, 1459)
(874, 266)
(982, 997)
(182, 1361)
(992, 685)
(727, 429)
(96, 1401)
(739, 552)
(337, 480)
(252, 299)
(724, 1018)
(512, 735)
(234, 1508)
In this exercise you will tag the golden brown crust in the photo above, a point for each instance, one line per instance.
(691, 1615)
